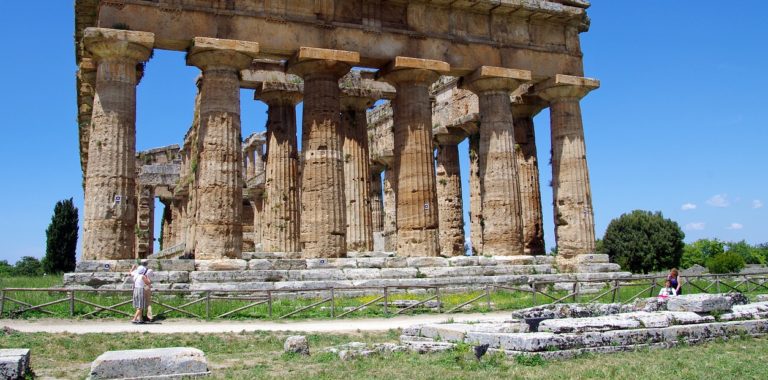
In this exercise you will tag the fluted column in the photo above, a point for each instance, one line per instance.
(390, 210)
(323, 214)
(502, 218)
(475, 198)
(281, 175)
(451, 210)
(110, 178)
(574, 217)
(145, 221)
(524, 108)
(357, 178)
(377, 201)
(417, 219)
(219, 230)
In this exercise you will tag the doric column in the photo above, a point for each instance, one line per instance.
(281, 181)
(390, 210)
(502, 218)
(524, 108)
(377, 200)
(110, 179)
(357, 176)
(145, 221)
(323, 214)
(451, 210)
(574, 218)
(475, 198)
(166, 229)
(417, 220)
(219, 171)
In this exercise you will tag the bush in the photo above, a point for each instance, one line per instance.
(726, 262)
(28, 266)
(643, 241)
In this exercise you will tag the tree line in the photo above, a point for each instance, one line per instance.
(644, 241)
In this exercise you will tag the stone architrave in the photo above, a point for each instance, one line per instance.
(574, 217)
(377, 201)
(524, 108)
(502, 217)
(323, 214)
(219, 165)
(110, 179)
(357, 177)
(450, 207)
(417, 218)
(281, 181)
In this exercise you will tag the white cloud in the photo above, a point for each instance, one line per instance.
(688, 206)
(719, 200)
(695, 226)
(757, 203)
(735, 226)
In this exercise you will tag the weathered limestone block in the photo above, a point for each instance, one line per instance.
(538, 341)
(417, 219)
(221, 265)
(578, 325)
(219, 185)
(417, 262)
(14, 363)
(574, 216)
(427, 347)
(297, 344)
(750, 311)
(464, 261)
(699, 303)
(502, 222)
(372, 262)
(452, 332)
(390, 210)
(362, 273)
(399, 272)
(323, 213)
(175, 362)
(451, 271)
(110, 177)
(94, 279)
(475, 196)
(515, 260)
(597, 268)
(331, 263)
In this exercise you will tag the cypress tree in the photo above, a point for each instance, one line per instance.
(61, 239)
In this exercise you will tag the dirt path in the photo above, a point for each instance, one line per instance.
(172, 326)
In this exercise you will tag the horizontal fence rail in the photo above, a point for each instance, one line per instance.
(198, 303)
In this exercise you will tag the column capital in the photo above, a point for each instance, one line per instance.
(565, 87)
(105, 44)
(207, 53)
(308, 61)
(450, 135)
(525, 103)
(407, 69)
(493, 79)
(279, 93)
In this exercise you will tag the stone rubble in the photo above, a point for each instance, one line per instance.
(297, 344)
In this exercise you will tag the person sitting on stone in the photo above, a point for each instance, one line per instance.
(667, 290)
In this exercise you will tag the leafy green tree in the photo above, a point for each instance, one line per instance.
(725, 262)
(5, 268)
(61, 238)
(28, 266)
(750, 254)
(643, 241)
(700, 251)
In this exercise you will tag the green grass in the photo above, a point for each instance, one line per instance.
(260, 355)
(501, 300)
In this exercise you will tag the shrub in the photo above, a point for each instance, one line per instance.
(726, 262)
(643, 241)
(28, 266)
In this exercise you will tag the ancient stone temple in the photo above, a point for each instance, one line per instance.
(365, 178)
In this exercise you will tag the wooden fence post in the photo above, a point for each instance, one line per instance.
(386, 300)
(208, 305)
(72, 303)
(269, 303)
(488, 296)
(333, 304)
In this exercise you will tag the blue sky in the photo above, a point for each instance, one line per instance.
(678, 125)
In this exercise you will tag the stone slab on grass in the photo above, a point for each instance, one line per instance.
(577, 325)
(156, 363)
(700, 303)
(14, 363)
